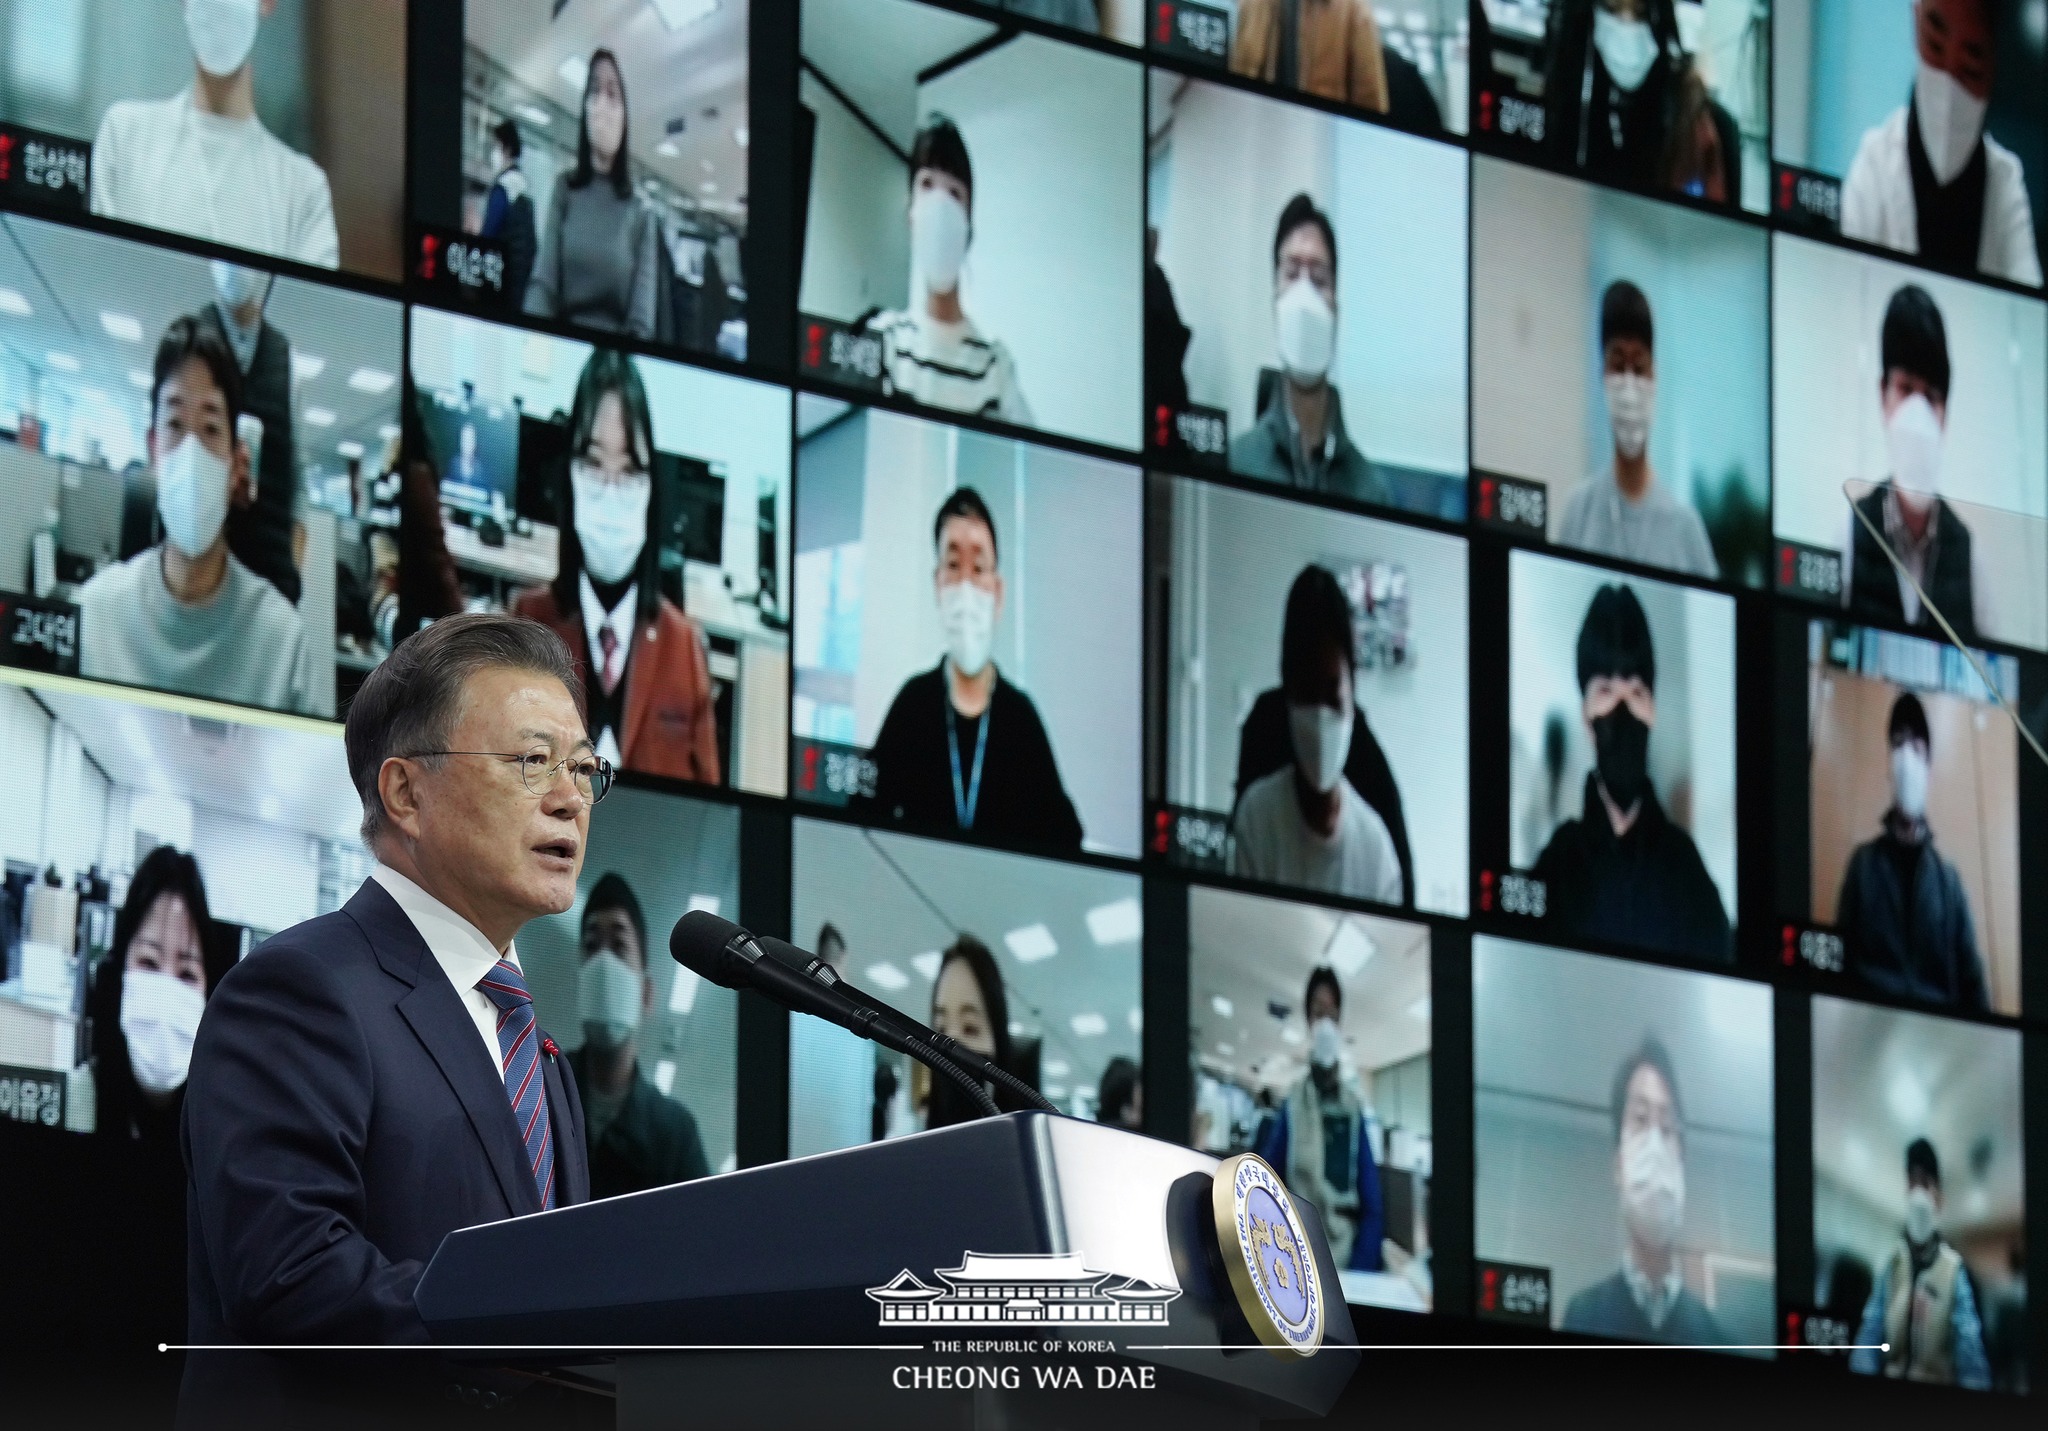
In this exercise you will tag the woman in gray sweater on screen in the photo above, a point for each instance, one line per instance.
(600, 242)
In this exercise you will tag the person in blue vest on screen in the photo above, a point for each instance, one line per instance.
(1320, 1140)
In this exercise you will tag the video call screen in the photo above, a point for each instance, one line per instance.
(1902, 789)
(139, 879)
(1309, 697)
(654, 1047)
(644, 516)
(1666, 97)
(1619, 821)
(967, 632)
(193, 457)
(1620, 347)
(973, 218)
(1915, 126)
(1033, 963)
(600, 153)
(1919, 1193)
(1310, 1033)
(278, 128)
(1909, 420)
(1305, 299)
(1623, 1122)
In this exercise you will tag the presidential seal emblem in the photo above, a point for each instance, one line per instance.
(1267, 1255)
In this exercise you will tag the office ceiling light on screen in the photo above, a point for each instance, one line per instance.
(1119, 922)
(677, 13)
(1088, 1024)
(63, 362)
(319, 417)
(15, 305)
(374, 381)
(1223, 1007)
(1350, 948)
(707, 903)
(536, 116)
(1031, 943)
(927, 963)
(350, 449)
(573, 72)
(122, 326)
(308, 366)
(887, 976)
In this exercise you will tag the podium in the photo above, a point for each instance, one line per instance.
(1025, 1271)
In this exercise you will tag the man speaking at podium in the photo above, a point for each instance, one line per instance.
(370, 1080)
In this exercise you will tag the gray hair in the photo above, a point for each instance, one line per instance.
(409, 703)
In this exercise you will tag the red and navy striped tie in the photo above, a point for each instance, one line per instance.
(519, 1047)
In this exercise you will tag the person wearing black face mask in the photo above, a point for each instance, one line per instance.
(1623, 872)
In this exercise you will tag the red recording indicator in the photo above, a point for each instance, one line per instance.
(1486, 891)
(430, 258)
(1489, 1290)
(1162, 831)
(808, 781)
(6, 157)
(1787, 186)
(1489, 498)
(1163, 35)
(1486, 109)
(1788, 946)
(814, 345)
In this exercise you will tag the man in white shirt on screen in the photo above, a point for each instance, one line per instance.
(202, 164)
(1304, 825)
(932, 351)
(1929, 180)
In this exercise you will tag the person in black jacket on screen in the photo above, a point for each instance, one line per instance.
(962, 749)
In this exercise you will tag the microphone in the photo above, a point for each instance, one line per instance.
(823, 974)
(727, 955)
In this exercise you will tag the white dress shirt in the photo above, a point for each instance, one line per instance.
(619, 621)
(458, 946)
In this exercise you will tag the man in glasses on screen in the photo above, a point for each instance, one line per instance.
(1299, 439)
(1903, 914)
(1623, 872)
(962, 749)
(1647, 1299)
(1930, 180)
(931, 351)
(186, 615)
(372, 1079)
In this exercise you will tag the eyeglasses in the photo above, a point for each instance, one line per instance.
(593, 774)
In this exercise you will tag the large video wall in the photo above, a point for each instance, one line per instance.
(1453, 593)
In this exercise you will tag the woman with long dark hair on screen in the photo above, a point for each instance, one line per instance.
(970, 1007)
(647, 681)
(1627, 105)
(601, 243)
(145, 1002)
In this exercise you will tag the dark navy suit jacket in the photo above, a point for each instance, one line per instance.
(341, 1118)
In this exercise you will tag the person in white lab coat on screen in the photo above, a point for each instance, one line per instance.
(202, 164)
(1929, 180)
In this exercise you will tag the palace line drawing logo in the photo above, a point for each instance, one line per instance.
(1026, 1289)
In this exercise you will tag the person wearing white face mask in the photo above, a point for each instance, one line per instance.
(647, 678)
(1922, 1311)
(1625, 104)
(1622, 510)
(202, 164)
(638, 1138)
(1930, 180)
(264, 534)
(186, 615)
(962, 747)
(1903, 912)
(1304, 824)
(147, 996)
(1647, 1299)
(1926, 533)
(599, 249)
(932, 352)
(1321, 1138)
(1299, 438)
